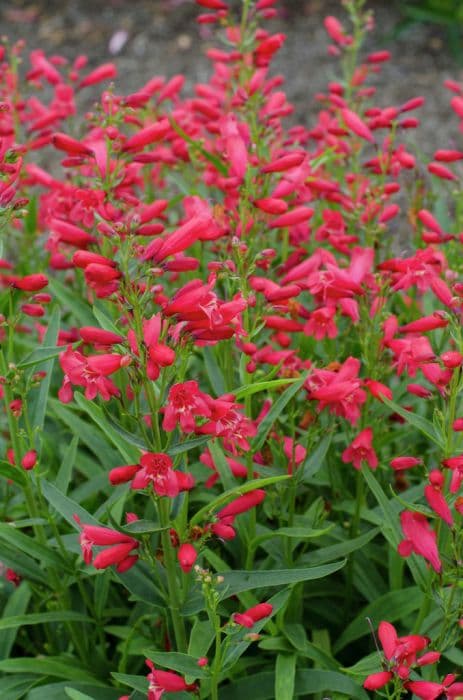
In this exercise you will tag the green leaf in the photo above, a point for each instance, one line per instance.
(139, 581)
(16, 605)
(234, 493)
(30, 546)
(238, 581)
(201, 637)
(250, 389)
(221, 464)
(90, 437)
(128, 452)
(142, 527)
(65, 506)
(39, 397)
(196, 146)
(341, 549)
(213, 371)
(234, 652)
(77, 695)
(188, 445)
(15, 687)
(261, 686)
(16, 621)
(137, 682)
(390, 527)
(392, 606)
(300, 533)
(104, 321)
(422, 424)
(128, 436)
(314, 461)
(182, 663)
(235, 582)
(70, 301)
(285, 675)
(21, 563)
(313, 681)
(57, 666)
(55, 691)
(295, 633)
(276, 410)
(64, 474)
(40, 355)
(369, 664)
(14, 473)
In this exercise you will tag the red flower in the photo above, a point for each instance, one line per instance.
(119, 546)
(435, 497)
(419, 538)
(361, 450)
(186, 556)
(401, 654)
(426, 690)
(157, 354)
(90, 372)
(185, 401)
(161, 682)
(253, 615)
(156, 469)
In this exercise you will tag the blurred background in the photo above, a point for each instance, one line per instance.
(160, 37)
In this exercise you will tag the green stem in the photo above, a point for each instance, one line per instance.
(172, 581)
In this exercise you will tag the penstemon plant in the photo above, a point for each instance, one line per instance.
(232, 460)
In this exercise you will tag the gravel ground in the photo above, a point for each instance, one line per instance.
(160, 37)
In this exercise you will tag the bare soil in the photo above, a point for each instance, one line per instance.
(160, 37)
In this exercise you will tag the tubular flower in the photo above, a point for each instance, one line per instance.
(161, 682)
(361, 450)
(224, 526)
(340, 391)
(184, 402)
(119, 547)
(157, 354)
(419, 539)
(253, 615)
(400, 654)
(90, 372)
(426, 690)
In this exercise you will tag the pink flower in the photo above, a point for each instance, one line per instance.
(420, 538)
(186, 556)
(400, 654)
(253, 615)
(185, 401)
(90, 372)
(161, 682)
(426, 690)
(321, 323)
(435, 498)
(157, 354)
(340, 391)
(119, 546)
(361, 450)
(156, 469)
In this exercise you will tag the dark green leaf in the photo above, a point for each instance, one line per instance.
(57, 666)
(285, 675)
(182, 663)
(392, 606)
(129, 453)
(276, 410)
(16, 605)
(235, 493)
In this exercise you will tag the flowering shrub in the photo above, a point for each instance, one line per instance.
(230, 366)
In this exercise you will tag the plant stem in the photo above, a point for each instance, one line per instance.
(172, 582)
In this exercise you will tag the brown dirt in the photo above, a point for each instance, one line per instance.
(163, 39)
